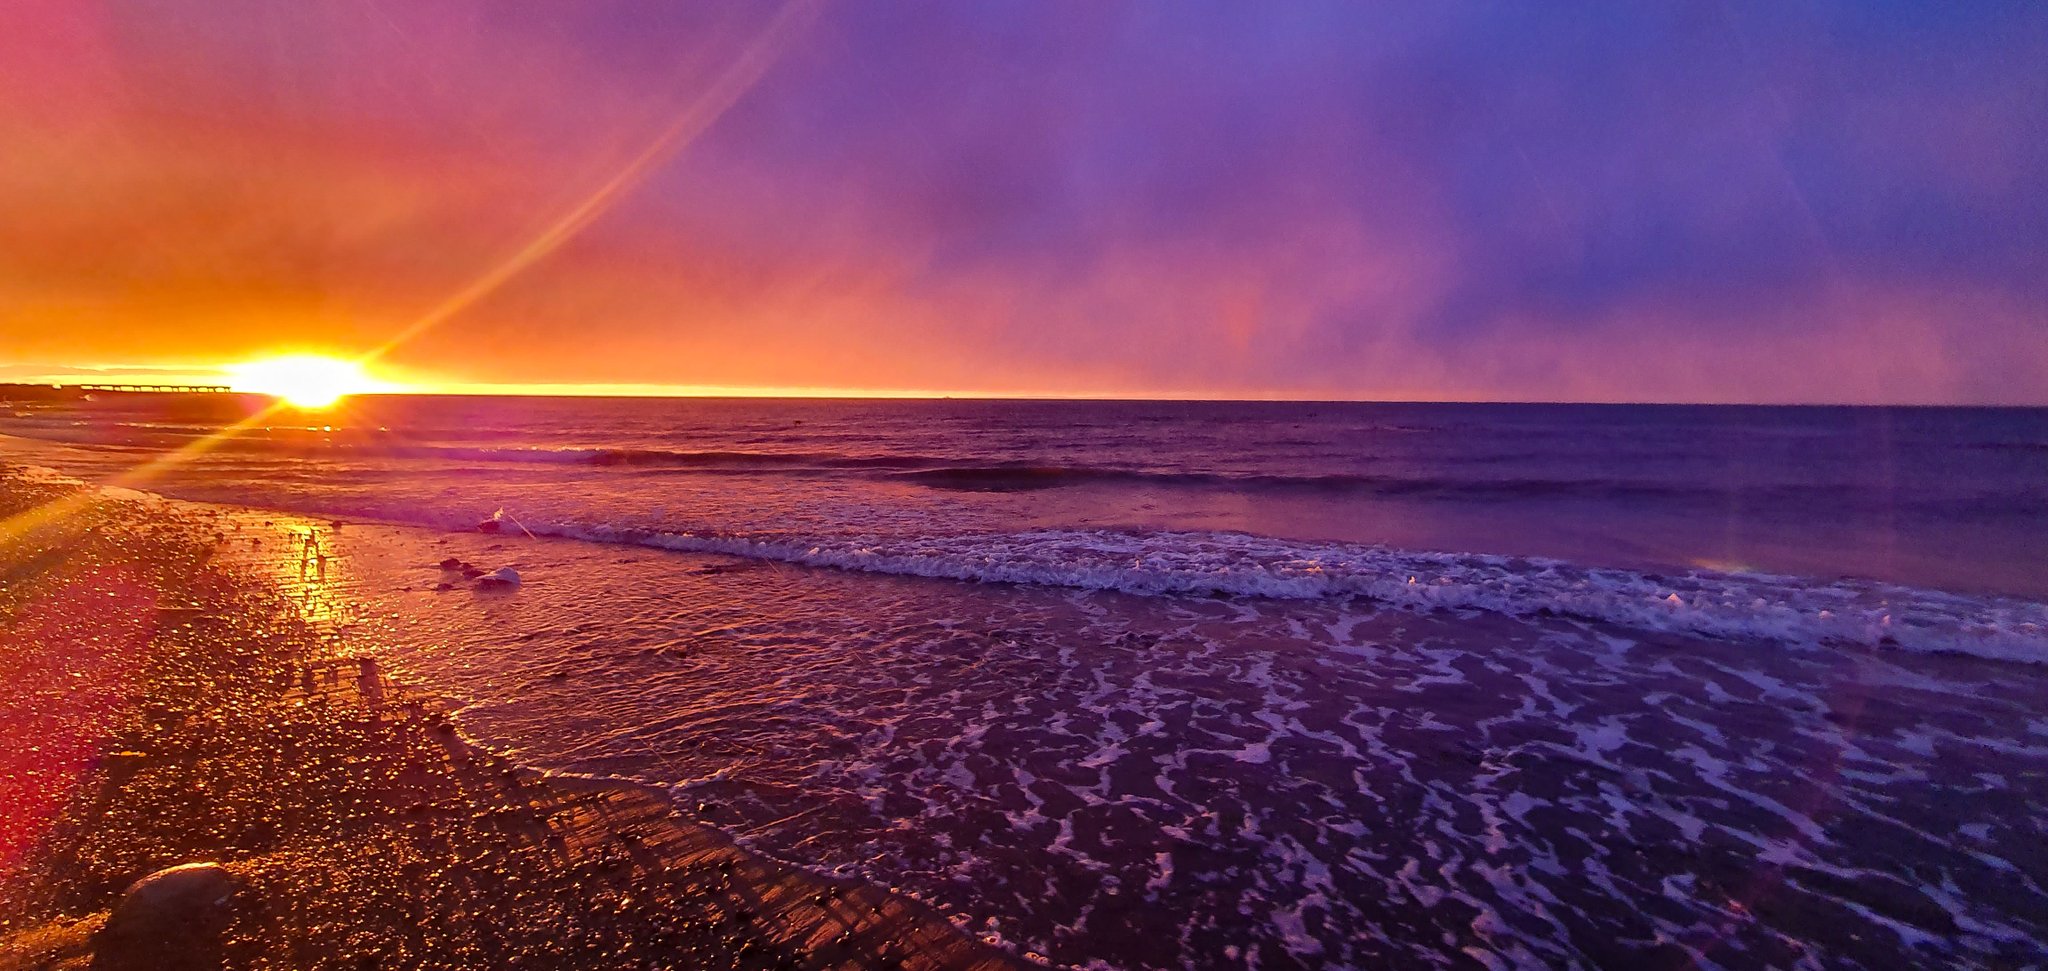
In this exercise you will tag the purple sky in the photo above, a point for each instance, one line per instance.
(1714, 202)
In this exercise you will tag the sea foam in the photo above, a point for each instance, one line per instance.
(1747, 606)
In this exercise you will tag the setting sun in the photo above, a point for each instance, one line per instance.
(303, 380)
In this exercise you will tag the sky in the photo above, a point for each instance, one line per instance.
(1724, 202)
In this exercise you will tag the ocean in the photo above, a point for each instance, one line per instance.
(1216, 684)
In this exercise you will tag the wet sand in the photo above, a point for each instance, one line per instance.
(182, 708)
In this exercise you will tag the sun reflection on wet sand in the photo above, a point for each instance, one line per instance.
(266, 735)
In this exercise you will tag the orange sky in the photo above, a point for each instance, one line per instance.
(735, 199)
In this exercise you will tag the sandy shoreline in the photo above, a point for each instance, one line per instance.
(1140, 782)
(203, 718)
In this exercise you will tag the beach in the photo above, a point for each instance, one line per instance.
(1106, 685)
(181, 707)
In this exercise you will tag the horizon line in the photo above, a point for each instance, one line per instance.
(771, 393)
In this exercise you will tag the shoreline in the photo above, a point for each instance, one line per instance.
(365, 832)
(1456, 746)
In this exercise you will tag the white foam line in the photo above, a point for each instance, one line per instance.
(1746, 606)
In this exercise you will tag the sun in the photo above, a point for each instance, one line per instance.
(302, 380)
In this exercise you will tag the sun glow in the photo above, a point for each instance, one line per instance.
(303, 380)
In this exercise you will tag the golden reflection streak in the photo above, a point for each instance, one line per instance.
(700, 114)
(19, 525)
(745, 72)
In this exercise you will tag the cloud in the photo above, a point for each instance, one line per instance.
(1781, 202)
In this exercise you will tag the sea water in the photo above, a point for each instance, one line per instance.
(1237, 684)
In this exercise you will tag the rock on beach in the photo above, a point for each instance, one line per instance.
(170, 920)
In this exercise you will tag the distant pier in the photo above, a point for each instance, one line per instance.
(73, 392)
(156, 388)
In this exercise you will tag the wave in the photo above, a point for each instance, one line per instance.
(971, 473)
(1021, 477)
(1742, 606)
(955, 474)
(967, 474)
(1787, 610)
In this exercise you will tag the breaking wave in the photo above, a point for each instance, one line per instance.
(1744, 606)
